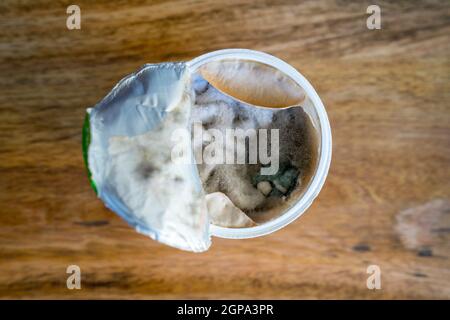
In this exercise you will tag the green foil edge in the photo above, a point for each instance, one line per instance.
(85, 142)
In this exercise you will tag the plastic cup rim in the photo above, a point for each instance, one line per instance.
(318, 179)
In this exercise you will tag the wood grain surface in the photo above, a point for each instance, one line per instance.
(386, 200)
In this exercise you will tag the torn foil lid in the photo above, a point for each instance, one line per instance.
(129, 157)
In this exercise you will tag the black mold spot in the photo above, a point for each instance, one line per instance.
(146, 170)
(240, 118)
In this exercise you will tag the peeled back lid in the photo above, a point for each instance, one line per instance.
(129, 157)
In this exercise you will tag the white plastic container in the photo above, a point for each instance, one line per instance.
(320, 120)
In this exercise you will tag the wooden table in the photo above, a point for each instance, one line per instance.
(386, 201)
